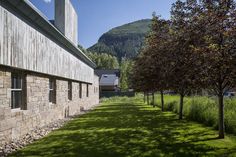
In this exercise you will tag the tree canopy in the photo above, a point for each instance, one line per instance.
(195, 50)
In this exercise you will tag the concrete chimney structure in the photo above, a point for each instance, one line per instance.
(66, 19)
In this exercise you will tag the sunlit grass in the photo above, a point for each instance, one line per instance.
(127, 127)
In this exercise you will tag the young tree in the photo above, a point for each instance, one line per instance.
(158, 46)
(218, 18)
(151, 62)
(141, 79)
(183, 64)
(125, 68)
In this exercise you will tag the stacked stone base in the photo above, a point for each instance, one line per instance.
(35, 134)
(16, 123)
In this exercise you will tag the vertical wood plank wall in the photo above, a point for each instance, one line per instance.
(22, 46)
(71, 20)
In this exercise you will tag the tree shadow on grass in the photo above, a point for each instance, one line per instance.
(119, 129)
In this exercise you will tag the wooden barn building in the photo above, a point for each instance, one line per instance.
(43, 75)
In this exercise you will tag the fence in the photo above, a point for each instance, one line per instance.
(109, 94)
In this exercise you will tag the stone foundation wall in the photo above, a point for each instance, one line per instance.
(15, 123)
(86, 102)
(6, 120)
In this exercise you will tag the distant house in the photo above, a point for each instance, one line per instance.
(109, 80)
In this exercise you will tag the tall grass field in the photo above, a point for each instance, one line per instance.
(202, 109)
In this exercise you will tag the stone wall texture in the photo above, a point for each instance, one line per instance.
(15, 123)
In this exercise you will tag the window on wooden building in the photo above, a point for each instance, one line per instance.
(52, 90)
(17, 90)
(87, 93)
(69, 90)
(80, 90)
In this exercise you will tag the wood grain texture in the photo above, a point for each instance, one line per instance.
(66, 19)
(22, 46)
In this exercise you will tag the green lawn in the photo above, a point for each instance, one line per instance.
(127, 127)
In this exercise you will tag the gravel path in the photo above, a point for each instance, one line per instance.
(36, 134)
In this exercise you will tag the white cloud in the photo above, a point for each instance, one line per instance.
(47, 1)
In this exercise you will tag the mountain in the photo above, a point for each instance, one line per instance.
(123, 41)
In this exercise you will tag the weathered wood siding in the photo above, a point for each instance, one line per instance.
(66, 19)
(22, 46)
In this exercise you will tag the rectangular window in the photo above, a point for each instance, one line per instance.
(69, 90)
(52, 90)
(80, 90)
(16, 90)
(87, 93)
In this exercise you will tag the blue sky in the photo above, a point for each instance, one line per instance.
(99, 16)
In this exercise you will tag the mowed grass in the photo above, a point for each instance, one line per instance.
(126, 127)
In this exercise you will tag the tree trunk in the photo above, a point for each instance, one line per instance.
(162, 101)
(144, 97)
(153, 99)
(221, 116)
(148, 99)
(181, 105)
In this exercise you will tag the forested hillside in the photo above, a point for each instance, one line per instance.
(124, 41)
(116, 48)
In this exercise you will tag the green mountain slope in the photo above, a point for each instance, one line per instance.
(123, 41)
